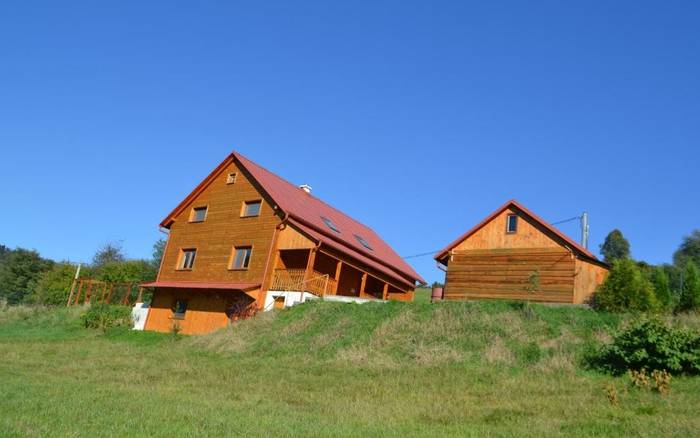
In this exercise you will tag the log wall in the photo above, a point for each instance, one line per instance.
(534, 274)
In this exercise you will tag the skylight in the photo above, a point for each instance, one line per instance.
(329, 223)
(363, 242)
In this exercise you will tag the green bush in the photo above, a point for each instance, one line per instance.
(626, 289)
(651, 345)
(104, 316)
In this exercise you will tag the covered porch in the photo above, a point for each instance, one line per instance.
(315, 271)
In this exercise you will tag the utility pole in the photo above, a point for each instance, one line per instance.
(584, 230)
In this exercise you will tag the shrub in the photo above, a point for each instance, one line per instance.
(104, 316)
(626, 289)
(651, 345)
(662, 288)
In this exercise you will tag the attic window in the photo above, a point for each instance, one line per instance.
(187, 256)
(511, 224)
(231, 178)
(329, 223)
(198, 214)
(363, 242)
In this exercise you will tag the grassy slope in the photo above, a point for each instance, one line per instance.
(329, 368)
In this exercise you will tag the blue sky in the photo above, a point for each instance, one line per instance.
(417, 118)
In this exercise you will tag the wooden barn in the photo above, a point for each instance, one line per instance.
(245, 240)
(514, 254)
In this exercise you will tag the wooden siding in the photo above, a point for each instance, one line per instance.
(530, 234)
(506, 274)
(290, 238)
(223, 229)
(206, 310)
(588, 277)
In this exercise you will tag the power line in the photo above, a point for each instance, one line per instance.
(423, 254)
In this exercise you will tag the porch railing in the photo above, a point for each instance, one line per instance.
(293, 280)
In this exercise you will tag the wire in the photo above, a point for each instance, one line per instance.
(423, 254)
(566, 220)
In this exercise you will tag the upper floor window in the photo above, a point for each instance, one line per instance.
(511, 224)
(363, 242)
(231, 178)
(251, 208)
(329, 223)
(241, 257)
(187, 257)
(198, 214)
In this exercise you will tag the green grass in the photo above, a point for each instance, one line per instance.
(321, 369)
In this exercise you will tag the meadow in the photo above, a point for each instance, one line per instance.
(319, 369)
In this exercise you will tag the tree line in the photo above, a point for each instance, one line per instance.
(634, 285)
(27, 277)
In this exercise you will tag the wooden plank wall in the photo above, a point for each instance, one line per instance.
(505, 274)
(588, 277)
(206, 310)
(223, 228)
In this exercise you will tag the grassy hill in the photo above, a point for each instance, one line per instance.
(332, 369)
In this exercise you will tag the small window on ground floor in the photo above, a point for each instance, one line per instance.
(179, 309)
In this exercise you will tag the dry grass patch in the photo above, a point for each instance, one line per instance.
(498, 352)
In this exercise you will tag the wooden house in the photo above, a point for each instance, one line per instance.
(245, 240)
(514, 254)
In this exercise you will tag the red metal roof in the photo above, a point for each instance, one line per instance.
(202, 285)
(513, 203)
(360, 258)
(309, 210)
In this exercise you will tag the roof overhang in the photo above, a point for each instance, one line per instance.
(244, 287)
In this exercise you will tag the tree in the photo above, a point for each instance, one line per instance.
(108, 253)
(19, 271)
(53, 286)
(626, 289)
(662, 288)
(130, 271)
(158, 251)
(689, 250)
(615, 247)
(690, 294)
(4, 251)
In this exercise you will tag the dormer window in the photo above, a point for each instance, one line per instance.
(363, 242)
(231, 178)
(329, 223)
(511, 224)
(251, 208)
(198, 214)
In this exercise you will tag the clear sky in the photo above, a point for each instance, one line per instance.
(416, 118)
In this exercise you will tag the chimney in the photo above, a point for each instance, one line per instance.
(306, 188)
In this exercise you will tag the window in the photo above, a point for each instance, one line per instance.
(329, 223)
(187, 258)
(198, 214)
(251, 208)
(363, 242)
(241, 257)
(511, 224)
(231, 178)
(179, 309)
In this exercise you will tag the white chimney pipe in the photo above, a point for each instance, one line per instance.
(306, 188)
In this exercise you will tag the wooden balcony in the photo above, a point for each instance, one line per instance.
(293, 280)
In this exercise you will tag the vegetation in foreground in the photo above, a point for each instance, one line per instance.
(337, 369)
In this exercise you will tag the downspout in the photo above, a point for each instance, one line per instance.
(279, 227)
(165, 250)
